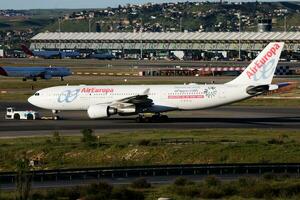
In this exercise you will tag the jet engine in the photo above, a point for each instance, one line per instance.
(101, 111)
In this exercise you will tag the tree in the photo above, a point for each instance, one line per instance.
(23, 179)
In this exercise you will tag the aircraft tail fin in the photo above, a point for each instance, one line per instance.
(26, 50)
(262, 68)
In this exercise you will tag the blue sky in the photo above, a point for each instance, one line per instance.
(32, 4)
(29, 4)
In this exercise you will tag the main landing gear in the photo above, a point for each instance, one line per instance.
(156, 118)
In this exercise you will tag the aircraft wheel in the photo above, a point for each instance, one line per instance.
(24, 79)
(29, 117)
(155, 118)
(34, 79)
(56, 118)
(148, 119)
(164, 118)
(139, 119)
(17, 116)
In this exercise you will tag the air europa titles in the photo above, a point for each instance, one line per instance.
(260, 63)
(97, 90)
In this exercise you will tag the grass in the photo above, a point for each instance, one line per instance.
(128, 149)
(270, 102)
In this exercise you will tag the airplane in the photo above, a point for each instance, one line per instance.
(102, 101)
(35, 72)
(51, 54)
(102, 56)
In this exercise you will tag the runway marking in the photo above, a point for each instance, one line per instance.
(277, 97)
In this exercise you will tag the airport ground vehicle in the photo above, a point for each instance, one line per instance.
(11, 113)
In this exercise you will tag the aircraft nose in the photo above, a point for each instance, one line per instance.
(31, 100)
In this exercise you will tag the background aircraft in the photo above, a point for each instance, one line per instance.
(105, 100)
(51, 54)
(102, 55)
(35, 72)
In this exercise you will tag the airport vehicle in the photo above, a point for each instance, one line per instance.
(11, 113)
(35, 72)
(105, 101)
(51, 54)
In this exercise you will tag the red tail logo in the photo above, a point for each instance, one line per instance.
(26, 50)
(259, 64)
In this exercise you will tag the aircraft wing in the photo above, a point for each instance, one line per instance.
(140, 100)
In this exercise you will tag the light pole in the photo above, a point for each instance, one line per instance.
(141, 31)
(180, 24)
(285, 24)
(59, 31)
(90, 20)
(239, 15)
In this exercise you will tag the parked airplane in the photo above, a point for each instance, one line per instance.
(35, 72)
(102, 56)
(106, 100)
(51, 54)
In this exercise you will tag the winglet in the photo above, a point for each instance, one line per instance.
(146, 92)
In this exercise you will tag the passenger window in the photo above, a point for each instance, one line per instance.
(37, 94)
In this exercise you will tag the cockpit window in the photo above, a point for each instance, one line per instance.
(37, 94)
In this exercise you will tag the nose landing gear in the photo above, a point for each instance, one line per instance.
(55, 115)
(156, 118)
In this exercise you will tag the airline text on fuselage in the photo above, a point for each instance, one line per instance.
(97, 90)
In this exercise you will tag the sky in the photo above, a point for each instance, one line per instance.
(46, 4)
(33, 4)
(30, 4)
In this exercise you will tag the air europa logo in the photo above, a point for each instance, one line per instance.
(97, 90)
(260, 63)
(68, 96)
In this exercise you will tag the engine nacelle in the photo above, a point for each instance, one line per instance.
(100, 111)
(47, 76)
(128, 111)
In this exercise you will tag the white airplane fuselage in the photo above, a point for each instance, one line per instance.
(166, 97)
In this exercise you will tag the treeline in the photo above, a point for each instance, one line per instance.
(269, 186)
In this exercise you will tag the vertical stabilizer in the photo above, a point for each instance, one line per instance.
(26, 50)
(262, 69)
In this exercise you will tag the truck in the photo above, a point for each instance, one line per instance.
(11, 113)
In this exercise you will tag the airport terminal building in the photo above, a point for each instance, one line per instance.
(165, 41)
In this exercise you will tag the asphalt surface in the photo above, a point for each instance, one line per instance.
(156, 180)
(91, 63)
(223, 117)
